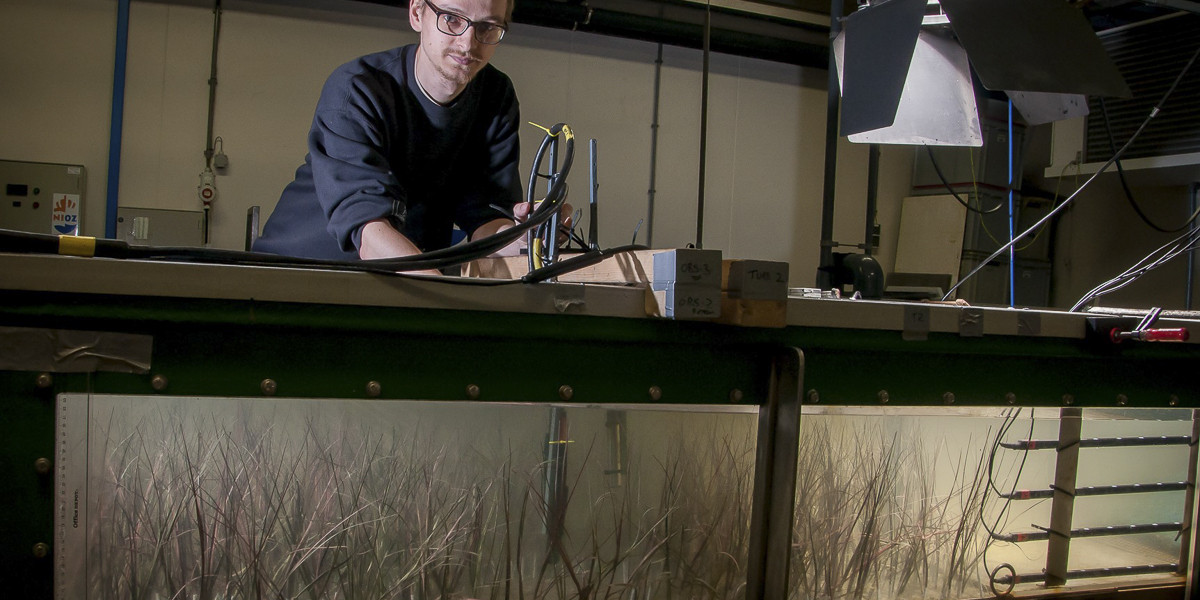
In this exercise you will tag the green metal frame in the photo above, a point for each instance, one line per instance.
(228, 347)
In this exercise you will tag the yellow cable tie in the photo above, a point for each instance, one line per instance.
(566, 129)
(77, 245)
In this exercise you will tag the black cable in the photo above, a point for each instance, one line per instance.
(572, 234)
(1067, 202)
(577, 262)
(1000, 433)
(1169, 251)
(22, 242)
(1112, 147)
(35, 243)
(548, 231)
(950, 188)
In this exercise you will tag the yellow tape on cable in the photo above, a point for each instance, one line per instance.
(76, 245)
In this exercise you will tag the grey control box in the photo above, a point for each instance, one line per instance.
(42, 197)
(160, 227)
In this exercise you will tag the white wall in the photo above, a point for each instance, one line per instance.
(56, 72)
(766, 120)
(270, 70)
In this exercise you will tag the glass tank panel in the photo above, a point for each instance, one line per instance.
(163, 497)
(186, 497)
(901, 503)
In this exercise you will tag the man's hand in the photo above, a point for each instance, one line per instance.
(522, 210)
(380, 240)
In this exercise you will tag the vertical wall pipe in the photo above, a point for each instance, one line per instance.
(116, 120)
(1191, 261)
(212, 103)
(703, 128)
(212, 86)
(1012, 251)
(831, 143)
(658, 62)
(872, 198)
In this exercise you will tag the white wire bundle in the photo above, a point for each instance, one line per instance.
(1185, 242)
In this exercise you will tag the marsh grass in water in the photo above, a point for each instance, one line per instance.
(219, 498)
(225, 498)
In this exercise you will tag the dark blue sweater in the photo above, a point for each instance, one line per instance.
(379, 147)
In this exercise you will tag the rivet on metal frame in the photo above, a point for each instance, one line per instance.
(472, 392)
(813, 397)
(655, 393)
(42, 465)
(1068, 399)
(374, 389)
(269, 387)
(883, 397)
(159, 383)
(44, 380)
(1011, 398)
(1122, 399)
(736, 395)
(565, 392)
(41, 550)
(948, 397)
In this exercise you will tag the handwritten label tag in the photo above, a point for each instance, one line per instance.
(756, 279)
(687, 266)
(693, 302)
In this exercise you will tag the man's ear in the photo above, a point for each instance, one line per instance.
(414, 14)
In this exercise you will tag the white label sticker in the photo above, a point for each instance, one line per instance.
(65, 216)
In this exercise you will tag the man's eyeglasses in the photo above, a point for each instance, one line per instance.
(455, 24)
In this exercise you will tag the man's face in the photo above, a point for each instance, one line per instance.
(456, 59)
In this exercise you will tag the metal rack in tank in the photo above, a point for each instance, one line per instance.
(1063, 492)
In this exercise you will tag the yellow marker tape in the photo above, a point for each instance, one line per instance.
(76, 245)
(537, 253)
(566, 129)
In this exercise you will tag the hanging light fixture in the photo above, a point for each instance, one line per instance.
(906, 66)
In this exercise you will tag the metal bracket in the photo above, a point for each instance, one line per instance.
(775, 480)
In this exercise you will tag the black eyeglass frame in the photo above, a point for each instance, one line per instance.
(482, 28)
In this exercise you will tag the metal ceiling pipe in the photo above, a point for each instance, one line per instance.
(806, 45)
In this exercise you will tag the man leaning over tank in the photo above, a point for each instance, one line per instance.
(408, 143)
